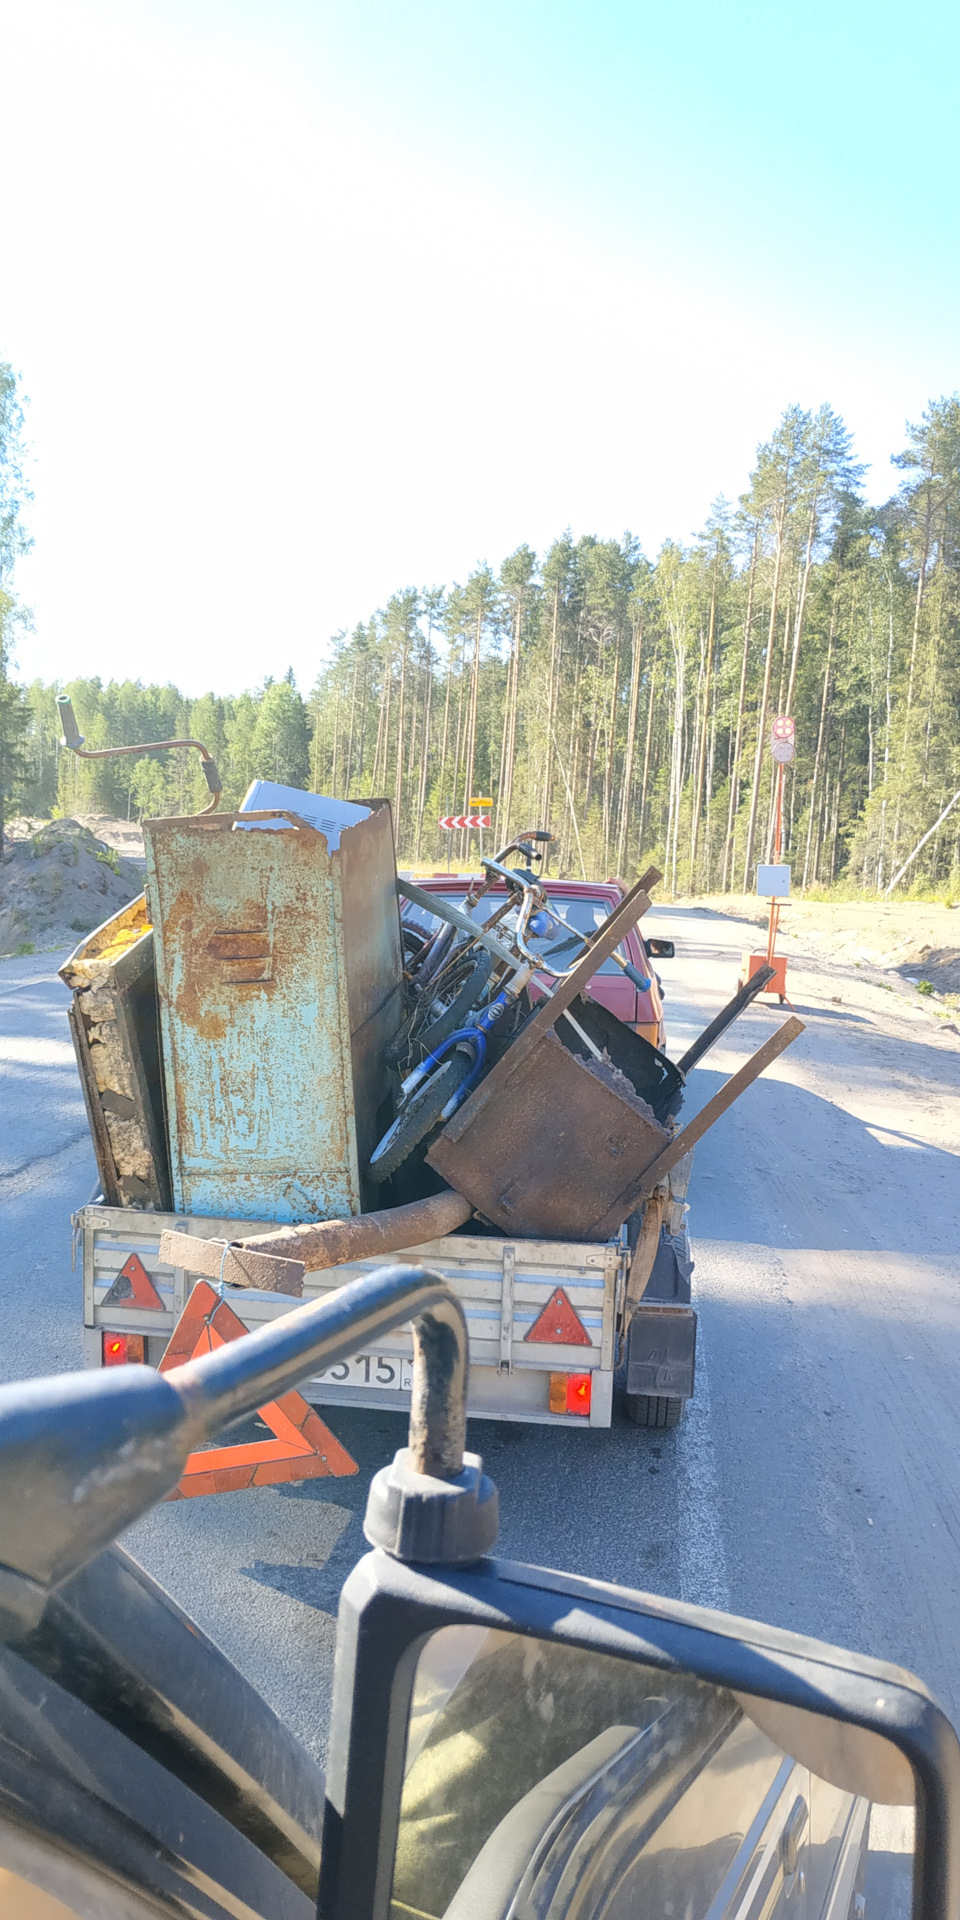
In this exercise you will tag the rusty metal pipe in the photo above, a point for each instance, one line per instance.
(331, 1243)
(277, 1261)
(74, 739)
(724, 1019)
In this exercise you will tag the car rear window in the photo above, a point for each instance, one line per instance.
(578, 911)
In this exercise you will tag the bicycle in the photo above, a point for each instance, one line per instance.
(444, 986)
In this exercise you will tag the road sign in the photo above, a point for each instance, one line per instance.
(783, 744)
(480, 806)
(457, 822)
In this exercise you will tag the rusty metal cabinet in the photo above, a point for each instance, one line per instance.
(278, 974)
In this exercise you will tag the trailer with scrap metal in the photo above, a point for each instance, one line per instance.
(545, 1318)
(232, 1034)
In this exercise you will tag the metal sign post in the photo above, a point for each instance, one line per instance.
(773, 881)
(783, 747)
(482, 804)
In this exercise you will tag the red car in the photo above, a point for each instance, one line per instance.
(585, 904)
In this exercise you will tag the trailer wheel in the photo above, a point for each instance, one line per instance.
(654, 1409)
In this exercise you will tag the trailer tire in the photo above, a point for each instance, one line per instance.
(655, 1409)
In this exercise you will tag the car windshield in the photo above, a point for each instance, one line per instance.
(577, 910)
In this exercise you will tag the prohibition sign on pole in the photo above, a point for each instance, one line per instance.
(783, 739)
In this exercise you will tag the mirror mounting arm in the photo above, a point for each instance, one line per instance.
(83, 1456)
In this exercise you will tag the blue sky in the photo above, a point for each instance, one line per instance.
(316, 301)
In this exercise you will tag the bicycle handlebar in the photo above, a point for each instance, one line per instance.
(640, 980)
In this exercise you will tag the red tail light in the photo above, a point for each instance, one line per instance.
(571, 1393)
(122, 1349)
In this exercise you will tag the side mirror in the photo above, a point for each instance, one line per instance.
(506, 1740)
(659, 949)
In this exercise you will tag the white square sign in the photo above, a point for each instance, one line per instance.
(773, 883)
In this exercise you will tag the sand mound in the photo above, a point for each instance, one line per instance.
(59, 883)
(918, 939)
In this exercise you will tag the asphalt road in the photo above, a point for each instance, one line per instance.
(814, 1480)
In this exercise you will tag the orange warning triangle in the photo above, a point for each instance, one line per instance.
(133, 1287)
(559, 1325)
(304, 1449)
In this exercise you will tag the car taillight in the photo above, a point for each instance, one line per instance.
(122, 1349)
(571, 1393)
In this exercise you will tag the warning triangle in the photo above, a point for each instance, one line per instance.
(559, 1325)
(303, 1449)
(133, 1287)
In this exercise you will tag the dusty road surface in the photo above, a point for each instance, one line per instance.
(815, 1481)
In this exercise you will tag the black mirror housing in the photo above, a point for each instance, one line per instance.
(659, 949)
(388, 1611)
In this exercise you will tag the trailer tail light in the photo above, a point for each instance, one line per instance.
(122, 1349)
(571, 1393)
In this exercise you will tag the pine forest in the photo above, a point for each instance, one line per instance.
(622, 700)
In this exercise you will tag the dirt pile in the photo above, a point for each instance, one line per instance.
(59, 883)
(917, 939)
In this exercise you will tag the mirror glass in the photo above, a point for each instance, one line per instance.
(544, 1781)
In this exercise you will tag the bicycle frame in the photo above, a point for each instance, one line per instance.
(529, 898)
(474, 1036)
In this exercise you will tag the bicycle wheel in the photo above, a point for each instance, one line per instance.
(419, 1116)
(444, 1006)
(412, 941)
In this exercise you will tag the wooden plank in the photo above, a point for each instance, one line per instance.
(102, 1146)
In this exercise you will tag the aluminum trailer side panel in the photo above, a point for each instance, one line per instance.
(504, 1286)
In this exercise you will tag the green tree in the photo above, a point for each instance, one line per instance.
(281, 736)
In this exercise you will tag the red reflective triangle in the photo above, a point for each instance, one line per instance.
(304, 1448)
(559, 1325)
(133, 1287)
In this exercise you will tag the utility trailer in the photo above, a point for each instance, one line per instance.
(545, 1317)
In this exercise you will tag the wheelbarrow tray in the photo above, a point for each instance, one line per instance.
(543, 1146)
(553, 1154)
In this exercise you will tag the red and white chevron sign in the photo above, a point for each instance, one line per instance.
(455, 822)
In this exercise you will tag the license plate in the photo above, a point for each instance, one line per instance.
(371, 1370)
